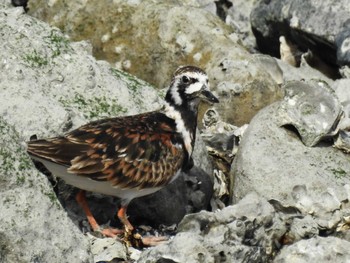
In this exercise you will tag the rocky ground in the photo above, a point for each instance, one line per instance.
(271, 176)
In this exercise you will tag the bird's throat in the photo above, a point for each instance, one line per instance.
(186, 124)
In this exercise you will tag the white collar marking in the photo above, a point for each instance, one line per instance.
(180, 126)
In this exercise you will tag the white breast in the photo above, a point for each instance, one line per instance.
(180, 126)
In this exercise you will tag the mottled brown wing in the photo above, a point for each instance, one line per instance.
(132, 152)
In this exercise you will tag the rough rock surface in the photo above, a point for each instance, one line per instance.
(176, 34)
(312, 108)
(34, 227)
(309, 24)
(257, 230)
(234, 234)
(272, 160)
(318, 249)
(236, 13)
(304, 72)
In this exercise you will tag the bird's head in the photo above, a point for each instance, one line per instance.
(188, 87)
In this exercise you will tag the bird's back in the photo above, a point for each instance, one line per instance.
(134, 152)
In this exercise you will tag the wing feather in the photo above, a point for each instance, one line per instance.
(130, 152)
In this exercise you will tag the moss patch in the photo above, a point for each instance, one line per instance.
(56, 43)
(339, 173)
(35, 59)
(93, 108)
(13, 159)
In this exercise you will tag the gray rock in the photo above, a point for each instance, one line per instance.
(272, 160)
(168, 34)
(309, 24)
(342, 141)
(107, 249)
(304, 72)
(317, 249)
(342, 42)
(245, 232)
(237, 15)
(254, 230)
(34, 227)
(312, 108)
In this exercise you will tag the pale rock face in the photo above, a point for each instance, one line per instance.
(177, 34)
(312, 108)
(32, 219)
(272, 160)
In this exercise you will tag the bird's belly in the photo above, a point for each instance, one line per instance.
(102, 187)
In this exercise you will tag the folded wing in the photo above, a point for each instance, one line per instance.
(131, 152)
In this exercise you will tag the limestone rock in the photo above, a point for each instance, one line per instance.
(311, 25)
(271, 160)
(234, 234)
(164, 35)
(34, 227)
(318, 249)
(312, 108)
(257, 230)
(342, 141)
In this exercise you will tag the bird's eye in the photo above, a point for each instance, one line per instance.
(185, 79)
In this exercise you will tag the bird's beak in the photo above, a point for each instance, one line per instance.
(208, 96)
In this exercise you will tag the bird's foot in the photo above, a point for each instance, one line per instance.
(110, 232)
(151, 241)
(134, 239)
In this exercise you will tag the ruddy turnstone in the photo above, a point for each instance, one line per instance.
(130, 156)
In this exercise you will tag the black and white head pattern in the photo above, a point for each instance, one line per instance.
(186, 85)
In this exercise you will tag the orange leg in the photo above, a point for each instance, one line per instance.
(108, 232)
(124, 218)
(133, 239)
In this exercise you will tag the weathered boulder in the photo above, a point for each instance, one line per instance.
(34, 226)
(257, 230)
(272, 160)
(245, 232)
(317, 249)
(164, 35)
(311, 25)
(236, 13)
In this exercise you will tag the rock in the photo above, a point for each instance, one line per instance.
(317, 249)
(342, 45)
(107, 249)
(257, 230)
(309, 24)
(272, 67)
(237, 15)
(289, 52)
(272, 160)
(168, 34)
(34, 227)
(75, 88)
(342, 141)
(304, 72)
(245, 232)
(312, 108)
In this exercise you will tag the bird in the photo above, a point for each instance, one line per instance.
(130, 156)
